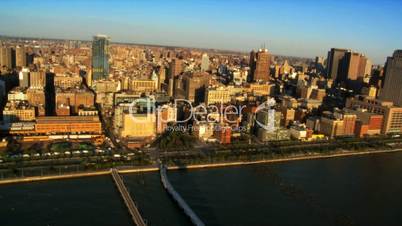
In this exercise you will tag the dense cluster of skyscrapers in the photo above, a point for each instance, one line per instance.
(47, 82)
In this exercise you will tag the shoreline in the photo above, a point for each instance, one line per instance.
(288, 159)
(196, 166)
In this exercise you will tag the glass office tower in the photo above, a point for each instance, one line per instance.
(100, 57)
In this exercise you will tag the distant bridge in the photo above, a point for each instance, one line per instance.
(132, 209)
(180, 201)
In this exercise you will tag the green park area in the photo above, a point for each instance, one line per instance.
(175, 139)
(15, 147)
(60, 147)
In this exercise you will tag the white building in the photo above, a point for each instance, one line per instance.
(204, 62)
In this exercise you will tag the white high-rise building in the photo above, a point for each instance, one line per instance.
(204, 62)
(24, 78)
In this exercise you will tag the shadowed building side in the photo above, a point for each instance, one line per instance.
(392, 90)
(100, 57)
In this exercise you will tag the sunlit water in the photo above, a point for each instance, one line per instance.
(360, 190)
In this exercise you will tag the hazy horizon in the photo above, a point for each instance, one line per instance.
(292, 28)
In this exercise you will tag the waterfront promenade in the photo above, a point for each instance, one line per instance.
(284, 159)
(154, 168)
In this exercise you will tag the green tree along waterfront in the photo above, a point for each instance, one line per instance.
(60, 166)
(275, 150)
(182, 156)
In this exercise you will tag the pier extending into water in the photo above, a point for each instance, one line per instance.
(179, 200)
(132, 208)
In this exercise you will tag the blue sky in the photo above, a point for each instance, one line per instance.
(287, 27)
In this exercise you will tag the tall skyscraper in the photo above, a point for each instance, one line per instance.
(20, 56)
(191, 86)
(369, 67)
(171, 87)
(259, 65)
(6, 57)
(392, 90)
(349, 67)
(161, 76)
(88, 77)
(204, 62)
(100, 57)
(175, 67)
(252, 65)
(362, 65)
(334, 56)
(352, 70)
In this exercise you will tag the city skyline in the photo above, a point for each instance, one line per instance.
(103, 101)
(292, 29)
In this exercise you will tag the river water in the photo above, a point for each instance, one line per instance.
(358, 190)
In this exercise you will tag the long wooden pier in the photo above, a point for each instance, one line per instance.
(132, 209)
(180, 201)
